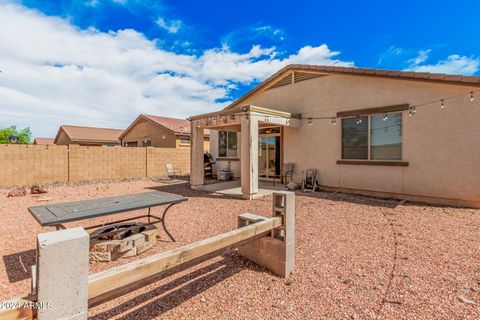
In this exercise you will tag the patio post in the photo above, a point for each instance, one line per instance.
(196, 156)
(249, 156)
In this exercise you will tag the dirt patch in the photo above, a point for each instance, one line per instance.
(357, 257)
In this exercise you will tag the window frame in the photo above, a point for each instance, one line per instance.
(227, 145)
(369, 160)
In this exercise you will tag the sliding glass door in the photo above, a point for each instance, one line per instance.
(269, 156)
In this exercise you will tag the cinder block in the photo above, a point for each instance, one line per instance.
(100, 256)
(144, 247)
(136, 239)
(62, 274)
(151, 236)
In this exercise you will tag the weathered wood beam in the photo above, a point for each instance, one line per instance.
(107, 284)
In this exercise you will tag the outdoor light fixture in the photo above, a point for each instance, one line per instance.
(334, 121)
(385, 117)
(310, 122)
(471, 96)
(443, 104)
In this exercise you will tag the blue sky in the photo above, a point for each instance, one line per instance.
(101, 62)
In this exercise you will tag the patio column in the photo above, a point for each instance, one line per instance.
(249, 156)
(196, 157)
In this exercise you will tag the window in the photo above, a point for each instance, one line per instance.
(131, 144)
(227, 144)
(355, 138)
(386, 137)
(147, 143)
(185, 140)
(383, 142)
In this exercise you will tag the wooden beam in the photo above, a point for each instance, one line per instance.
(361, 112)
(108, 283)
(18, 309)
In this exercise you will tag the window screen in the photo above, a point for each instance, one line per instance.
(355, 138)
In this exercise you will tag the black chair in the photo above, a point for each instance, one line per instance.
(288, 169)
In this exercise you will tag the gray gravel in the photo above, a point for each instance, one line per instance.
(357, 258)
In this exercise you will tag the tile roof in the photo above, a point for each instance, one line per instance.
(44, 141)
(420, 76)
(91, 134)
(178, 126)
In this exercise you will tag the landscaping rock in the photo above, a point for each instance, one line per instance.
(38, 190)
(17, 192)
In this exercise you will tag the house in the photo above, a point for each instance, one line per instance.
(44, 141)
(393, 134)
(161, 132)
(87, 136)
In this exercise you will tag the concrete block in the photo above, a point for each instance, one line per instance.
(123, 247)
(100, 256)
(151, 236)
(144, 247)
(276, 252)
(62, 274)
(136, 239)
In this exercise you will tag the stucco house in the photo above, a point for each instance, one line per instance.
(160, 132)
(88, 136)
(394, 134)
(44, 141)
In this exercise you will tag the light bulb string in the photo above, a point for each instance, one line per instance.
(305, 116)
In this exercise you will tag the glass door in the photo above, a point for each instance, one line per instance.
(269, 156)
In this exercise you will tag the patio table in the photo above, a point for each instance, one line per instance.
(58, 214)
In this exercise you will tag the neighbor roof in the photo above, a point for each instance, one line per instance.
(420, 76)
(90, 134)
(177, 126)
(44, 141)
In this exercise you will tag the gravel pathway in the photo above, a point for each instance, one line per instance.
(357, 258)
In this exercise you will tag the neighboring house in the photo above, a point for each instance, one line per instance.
(88, 136)
(44, 141)
(374, 132)
(159, 132)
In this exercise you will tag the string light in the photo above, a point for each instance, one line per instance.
(412, 111)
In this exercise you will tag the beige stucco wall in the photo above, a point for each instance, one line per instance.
(160, 137)
(63, 139)
(441, 146)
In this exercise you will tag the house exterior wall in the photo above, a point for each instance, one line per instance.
(441, 145)
(63, 139)
(160, 137)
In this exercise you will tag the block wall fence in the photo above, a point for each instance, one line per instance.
(29, 164)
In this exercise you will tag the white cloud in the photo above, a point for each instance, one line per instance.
(54, 73)
(454, 64)
(420, 58)
(172, 26)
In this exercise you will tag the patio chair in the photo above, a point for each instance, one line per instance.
(287, 172)
(310, 183)
(172, 172)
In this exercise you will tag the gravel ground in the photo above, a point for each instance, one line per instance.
(357, 258)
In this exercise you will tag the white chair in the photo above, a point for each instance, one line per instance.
(171, 171)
